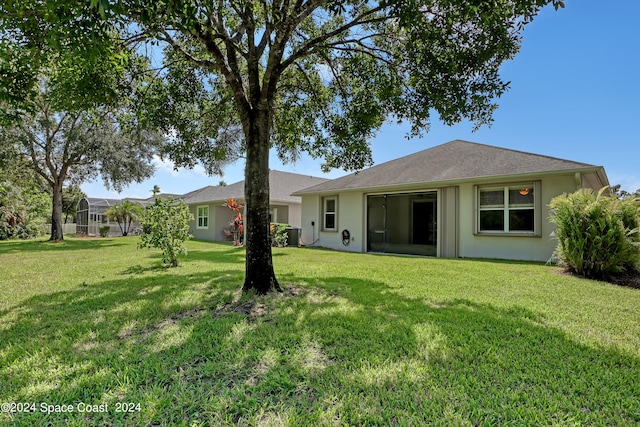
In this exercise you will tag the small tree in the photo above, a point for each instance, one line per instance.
(166, 226)
(125, 214)
(237, 224)
(598, 234)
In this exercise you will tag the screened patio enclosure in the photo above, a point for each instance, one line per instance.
(403, 223)
(90, 216)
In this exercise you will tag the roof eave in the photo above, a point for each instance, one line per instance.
(599, 170)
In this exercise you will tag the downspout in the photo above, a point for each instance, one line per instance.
(578, 178)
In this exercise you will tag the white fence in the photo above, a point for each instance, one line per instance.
(66, 229)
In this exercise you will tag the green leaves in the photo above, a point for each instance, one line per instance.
(598, 235)
(125, 213)
(166, 227)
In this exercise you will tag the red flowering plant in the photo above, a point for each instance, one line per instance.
(236, 225)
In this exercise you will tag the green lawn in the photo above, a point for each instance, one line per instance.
(355, 339)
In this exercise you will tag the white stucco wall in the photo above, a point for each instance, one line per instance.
(220, 217)
(511, 247)
(310, 213)
(350, 216)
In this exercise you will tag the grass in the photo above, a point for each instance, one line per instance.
(355, 339)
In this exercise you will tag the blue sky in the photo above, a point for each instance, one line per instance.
(575, 94)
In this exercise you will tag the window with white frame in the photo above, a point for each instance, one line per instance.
(329, 213)
(512, 209)
(203, 217)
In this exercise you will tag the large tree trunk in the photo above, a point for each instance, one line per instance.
(56, 212)
(259, 264)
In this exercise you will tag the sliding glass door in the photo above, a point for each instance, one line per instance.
(403, 223)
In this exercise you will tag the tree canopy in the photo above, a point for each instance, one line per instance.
(244, 76)
(78, 146)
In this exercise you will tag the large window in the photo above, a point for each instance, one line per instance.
(509, 209)
(203, 217)
(329, 213)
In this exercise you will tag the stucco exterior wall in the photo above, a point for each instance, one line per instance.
(350, 216)
(295, 215)
(511, 247)
(220, 218)
(201, 233)
(309, 214)
(456, 221)
(223, 218)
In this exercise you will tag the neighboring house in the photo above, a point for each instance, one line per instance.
(459, 199)
(211, 217)
(90, 216)
(206, 204)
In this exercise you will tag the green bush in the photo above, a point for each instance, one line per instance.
(279, 236)
(20, 231)
(598, 235)
(104, 231)
(166, 226)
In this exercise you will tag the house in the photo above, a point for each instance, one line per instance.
(459, 199)
(90, 214)
(211, 217)
(206, 204)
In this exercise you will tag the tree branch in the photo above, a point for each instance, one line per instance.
(166, 37)
(234, 80)
(307, 47)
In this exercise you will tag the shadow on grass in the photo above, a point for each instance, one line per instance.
(233, 255)
(331, 351)
(65, 245)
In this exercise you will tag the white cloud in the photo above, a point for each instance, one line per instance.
(167, 166)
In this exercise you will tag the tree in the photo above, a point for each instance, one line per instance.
(623, 194)
(71, 196)
(66, 80)
(315, 76)
(24, 197)
(166, 226)
(75, 146)
(125, 213)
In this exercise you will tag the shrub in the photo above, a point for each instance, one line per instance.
(13, 225)
(166, 226)
(279, 236)
(20, 231)
(104, 231)
(598, 235)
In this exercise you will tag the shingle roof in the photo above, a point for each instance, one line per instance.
(452, 161)
(282, 185)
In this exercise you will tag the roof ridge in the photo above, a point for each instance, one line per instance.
(515, 151)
